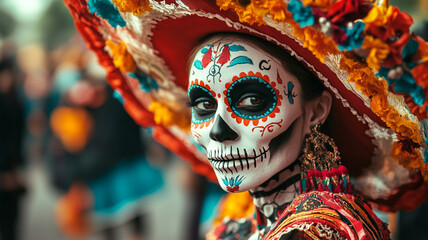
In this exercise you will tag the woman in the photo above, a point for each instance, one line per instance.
(254, 114)
(234, 103)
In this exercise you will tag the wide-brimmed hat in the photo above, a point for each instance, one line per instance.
(362, 52)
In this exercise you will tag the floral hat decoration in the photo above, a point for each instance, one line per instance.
(361, 50)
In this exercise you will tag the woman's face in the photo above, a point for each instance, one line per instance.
(247, 112)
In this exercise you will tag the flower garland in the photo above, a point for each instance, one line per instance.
(163, 114)
(252, 12)
(121, 57)
(136, 7)
(378, 34)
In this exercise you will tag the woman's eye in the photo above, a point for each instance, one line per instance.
(206, 105)
(249, 101)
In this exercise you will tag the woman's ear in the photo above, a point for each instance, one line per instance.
(317, 110)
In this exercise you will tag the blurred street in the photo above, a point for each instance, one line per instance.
(38, 217)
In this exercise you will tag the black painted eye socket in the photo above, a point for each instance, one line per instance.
(203, 104)
(251, 97)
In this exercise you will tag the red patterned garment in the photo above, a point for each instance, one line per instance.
(313, 215)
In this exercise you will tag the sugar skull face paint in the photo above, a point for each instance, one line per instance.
(246, 112)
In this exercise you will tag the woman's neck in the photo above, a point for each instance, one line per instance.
(277, 193)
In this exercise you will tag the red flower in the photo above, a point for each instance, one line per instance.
(398, 22)
(387, 24)
(344, 11)
(394, 57)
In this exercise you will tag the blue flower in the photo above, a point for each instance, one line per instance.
(146, 81)
(301, 14)
(106, 10)
(354, 37)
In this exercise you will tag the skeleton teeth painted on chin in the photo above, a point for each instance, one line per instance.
(236, 160)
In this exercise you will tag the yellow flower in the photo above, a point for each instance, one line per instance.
(324, 5)
(236, 206)
(165, 116)
(136, 7)
(377, 16)
(121, 57)
(277, 10)
(378, 51)
(162, 114)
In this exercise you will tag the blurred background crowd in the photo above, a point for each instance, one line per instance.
(74, 165)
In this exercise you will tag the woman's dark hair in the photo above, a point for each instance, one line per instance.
(311, 85)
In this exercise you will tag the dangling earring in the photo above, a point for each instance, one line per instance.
(321, 169)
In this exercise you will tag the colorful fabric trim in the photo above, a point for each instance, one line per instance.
(348, 215)
(313, 215)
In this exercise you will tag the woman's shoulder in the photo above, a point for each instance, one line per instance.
(326, 215)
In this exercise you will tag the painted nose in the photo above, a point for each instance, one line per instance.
(221, 131)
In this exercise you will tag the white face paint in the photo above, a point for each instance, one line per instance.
(246, 112)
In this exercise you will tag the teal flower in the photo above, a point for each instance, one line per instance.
(354, 37)
(301, 14)
(404, 83)
(147, 83)
(106, 10)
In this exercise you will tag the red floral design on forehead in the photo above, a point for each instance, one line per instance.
(265, 78)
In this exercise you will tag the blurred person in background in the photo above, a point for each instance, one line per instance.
(12, 187)
(98, 154)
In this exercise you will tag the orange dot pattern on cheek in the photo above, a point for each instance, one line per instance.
(255, 122)
(201, 125)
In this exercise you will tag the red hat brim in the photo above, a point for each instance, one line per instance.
(174, 39)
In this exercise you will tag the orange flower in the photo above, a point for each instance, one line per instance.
(254, 12)
(324, 5)
(164, 115)
(236, 206)
(121, 57)
(375, 89)
(136, 7)
(277, 10)
(420, 74)
(411, 160)
(378, 51)
(249, 14)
